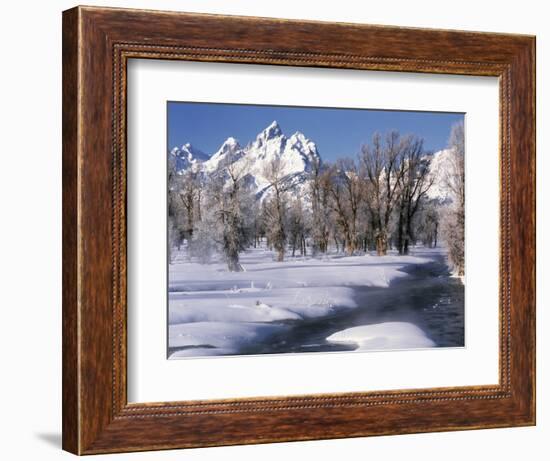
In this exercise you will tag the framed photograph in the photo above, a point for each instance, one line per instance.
(284, 230)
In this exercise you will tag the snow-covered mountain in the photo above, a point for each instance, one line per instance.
(229, 152)
(440, 166)
(187, 156)
(296, 154)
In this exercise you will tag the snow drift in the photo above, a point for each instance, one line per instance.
(388, 335)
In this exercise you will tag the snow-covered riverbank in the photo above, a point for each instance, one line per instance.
(380, 336)
(216, 312)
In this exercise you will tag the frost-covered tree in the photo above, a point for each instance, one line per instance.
(188, 194)
(184, 197)
(232, 215)
(381, 162)
(275, 207)
(319, 193)
(454, 176)
(176, 211)
(225, 224)
(171, 239)
(173, 236)
(339, 214)
(257, 223)
(415, 183)
(453, 215)
(346, 191)
(297, 226)
(206, 238)
(429, 224)
(353, 193)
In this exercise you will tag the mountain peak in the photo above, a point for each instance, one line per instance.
(298, 135)
(272, 131)
(229, 146)
(230, 142)
(187, 156)
(230, 151)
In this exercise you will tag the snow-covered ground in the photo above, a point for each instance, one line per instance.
(387, 335)
(216, 312)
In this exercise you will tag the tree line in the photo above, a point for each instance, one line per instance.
(375, 202)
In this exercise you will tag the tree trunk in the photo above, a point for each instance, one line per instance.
(233, 264)
(381, 244)
(199, 211)
(350, 247)
(408, 235)
(400, 244)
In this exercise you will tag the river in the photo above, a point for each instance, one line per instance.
(428, 297)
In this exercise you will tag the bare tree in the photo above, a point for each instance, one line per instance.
(174, 238)
(339, 208)
(346, 191)
(188, 194)
(171, 239)
(415, 183)
(257, 224)
(183, 187)
(383, 172)
(232, 215)
(275, 206)
(428, 228)
(319, 191)
(297, 227)
(224, 225)
(353, 192)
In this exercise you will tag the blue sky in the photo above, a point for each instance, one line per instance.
(337, 132)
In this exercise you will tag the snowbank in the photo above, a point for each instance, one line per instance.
(267, 305)
(216, 338)
(262, 272)
(388, 335)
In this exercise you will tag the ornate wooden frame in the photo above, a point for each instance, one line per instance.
(97, 43)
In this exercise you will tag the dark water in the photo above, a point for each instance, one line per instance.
(429, 298)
